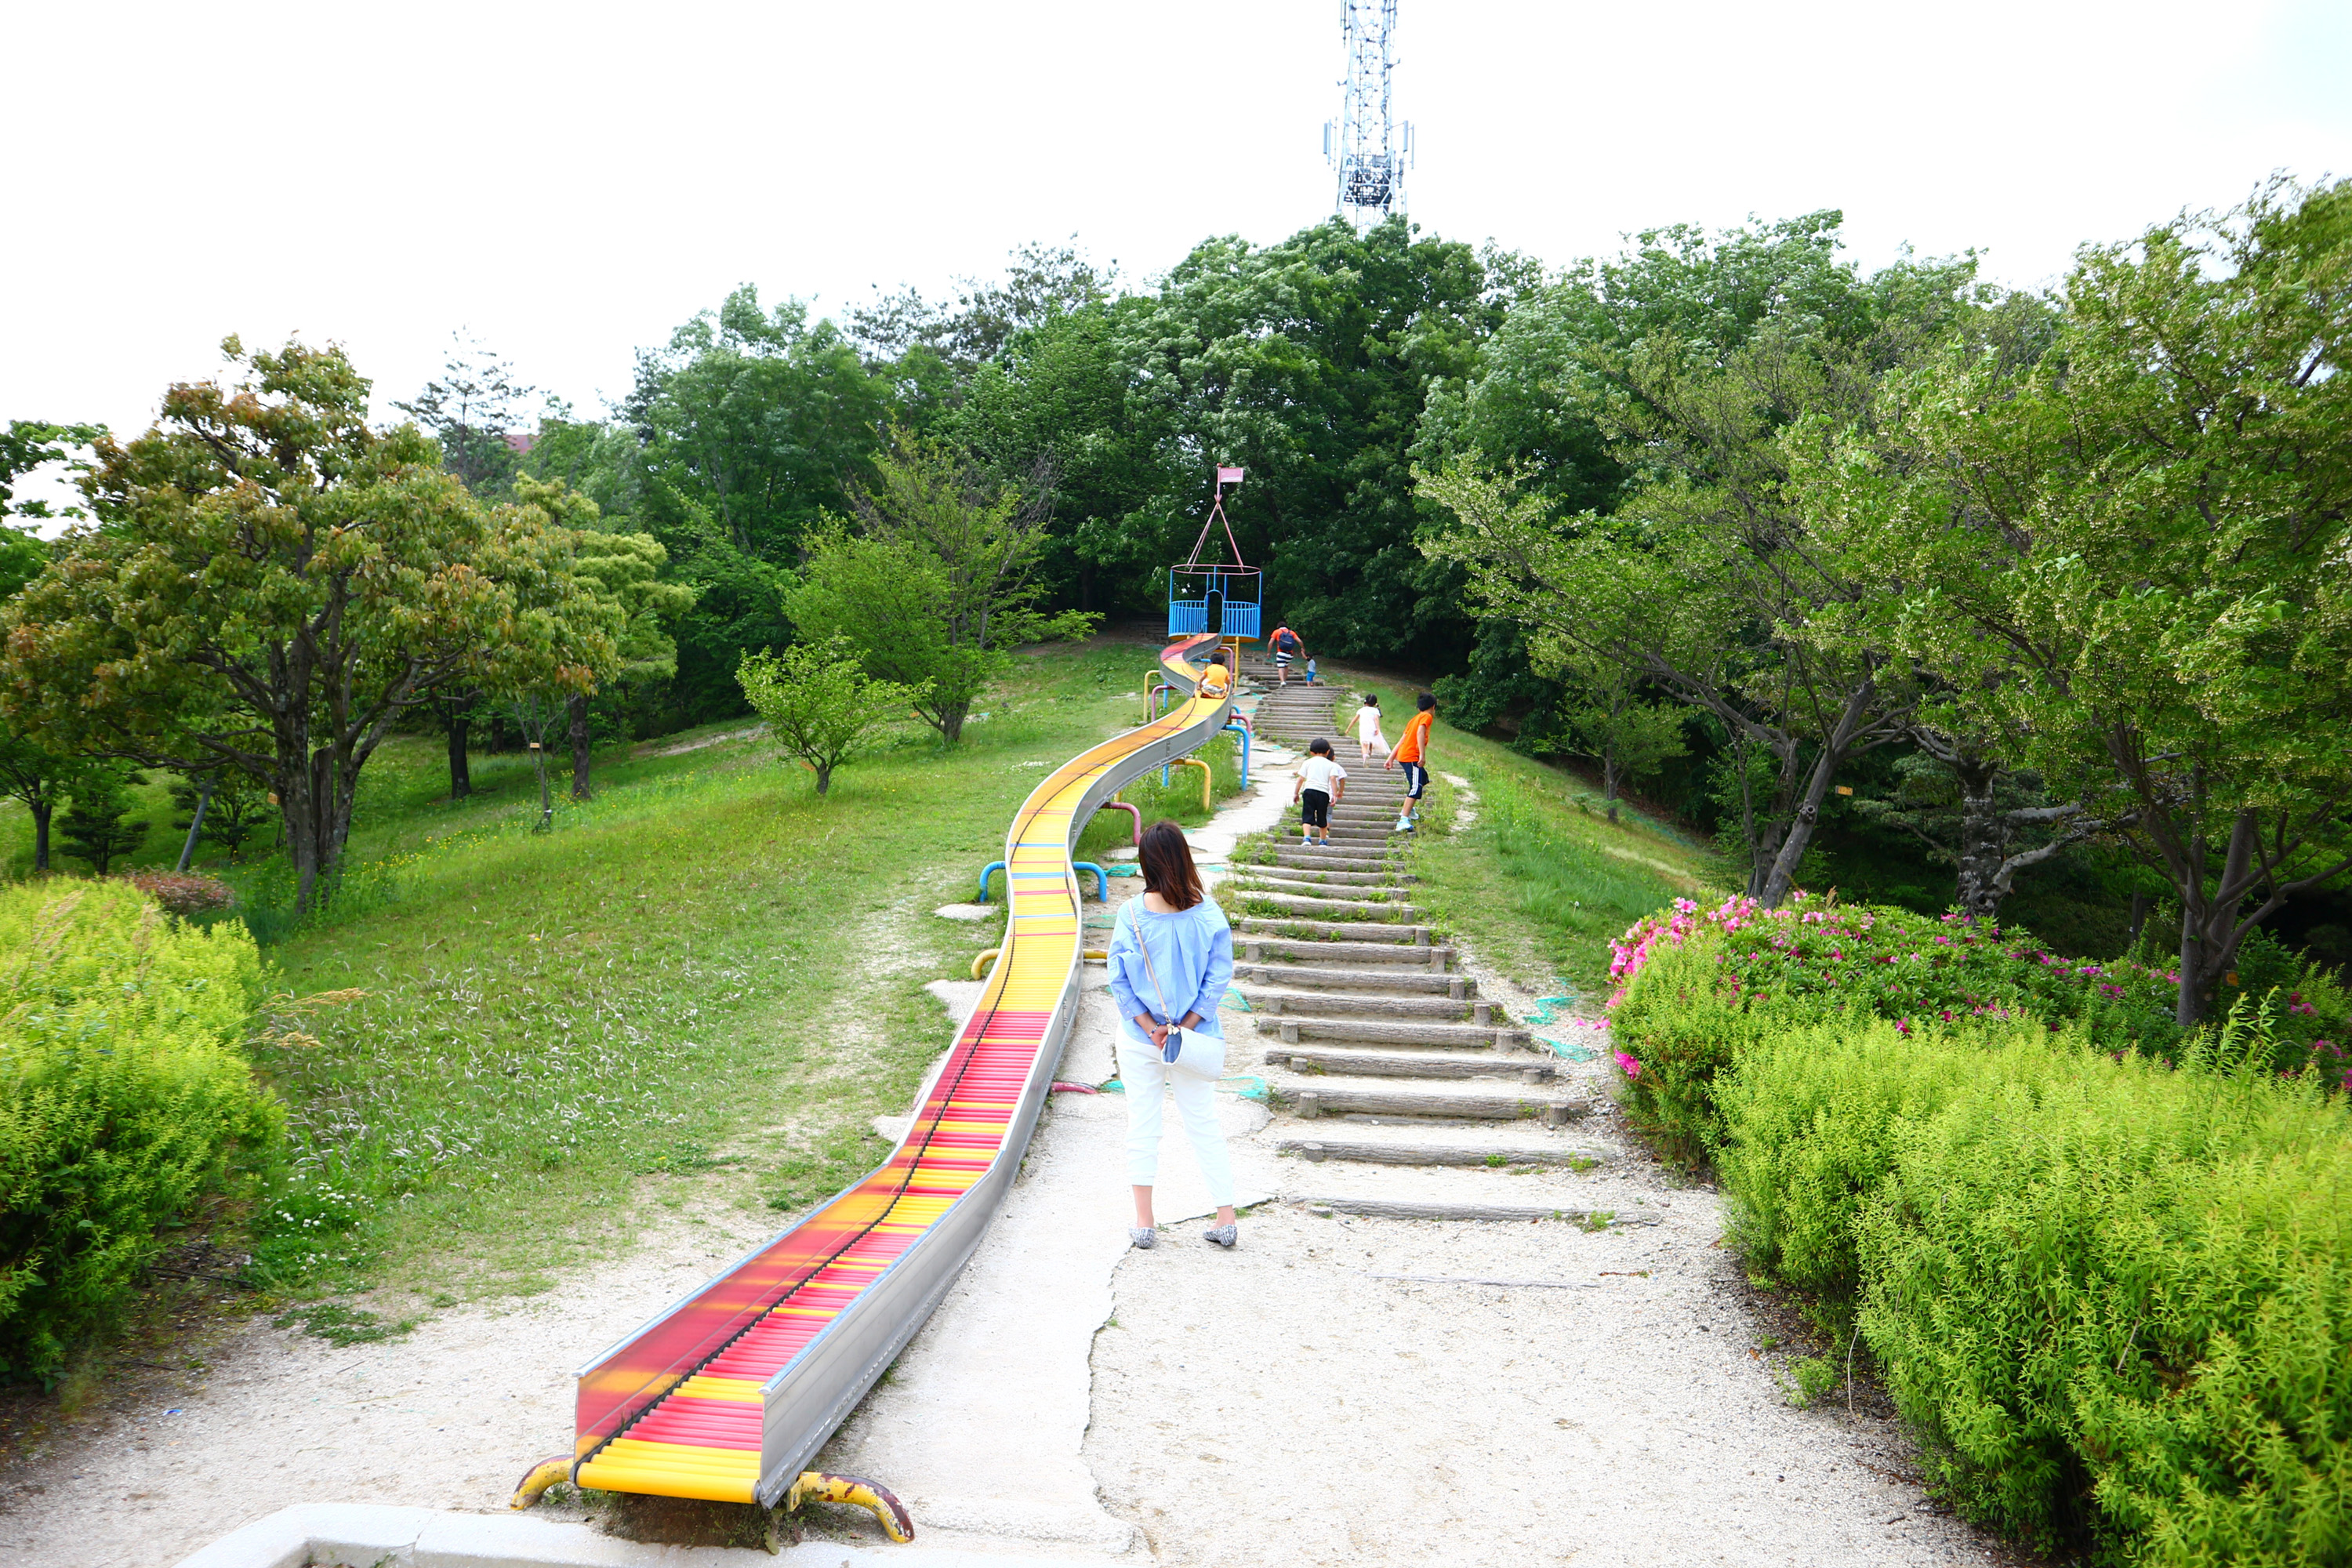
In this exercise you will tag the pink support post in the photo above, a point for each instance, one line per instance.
(1134, 811)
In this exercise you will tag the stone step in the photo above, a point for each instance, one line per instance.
(1335, 858)
(1428, 1065)
(1270, 1004)
(1321, 1098)
(1257, 947)
(1309, 904)
(1378, 978)
(1313, 876)
(1293, 1027)
(1302, 928)
(1314, 1151)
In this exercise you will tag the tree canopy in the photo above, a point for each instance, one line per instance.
(270, 584)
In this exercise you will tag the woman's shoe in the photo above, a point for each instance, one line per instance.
(1224, 1235)
(1145, 1239)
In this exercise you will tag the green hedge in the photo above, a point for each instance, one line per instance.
(2112, 1298)
(123, 1090)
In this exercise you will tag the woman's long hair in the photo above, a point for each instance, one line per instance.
(1168, 869)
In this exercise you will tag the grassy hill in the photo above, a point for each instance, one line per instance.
(703, 984)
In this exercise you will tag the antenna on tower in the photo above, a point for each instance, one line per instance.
(1367, 149)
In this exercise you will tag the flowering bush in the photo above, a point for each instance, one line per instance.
(182, 893)
(1912, 968)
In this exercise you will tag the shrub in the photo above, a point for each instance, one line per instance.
(1817, 957)
(2110, 1296)
(184, 894)
(123, 1090)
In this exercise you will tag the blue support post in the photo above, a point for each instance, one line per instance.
(1102, 879)
(984, 870)
(1242, 731)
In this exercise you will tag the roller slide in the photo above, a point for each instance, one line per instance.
(729, 1393)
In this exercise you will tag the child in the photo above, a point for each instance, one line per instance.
(1368, 728)
(1287, 646)
(1217, 680)
(1320, 782)
(1411, 754)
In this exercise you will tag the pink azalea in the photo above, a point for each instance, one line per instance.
(1631, 1068)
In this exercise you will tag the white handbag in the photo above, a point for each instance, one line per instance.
(1187, 1050)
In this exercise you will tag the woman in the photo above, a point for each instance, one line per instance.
(1171, 957)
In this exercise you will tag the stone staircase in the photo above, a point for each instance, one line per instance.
(1374, 1041)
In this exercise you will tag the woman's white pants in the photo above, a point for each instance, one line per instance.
(1147, 1079)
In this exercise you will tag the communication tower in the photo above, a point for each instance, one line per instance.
(1369, 149)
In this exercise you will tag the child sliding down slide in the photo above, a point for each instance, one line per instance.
(1320, 782)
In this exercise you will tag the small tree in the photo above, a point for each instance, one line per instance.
(819, 704)
(934, 585)
(538, 715)
(41, 778)
(233, 810)
(1632, 737)
(93, 827)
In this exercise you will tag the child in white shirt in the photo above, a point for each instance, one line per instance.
(1368, 729)
(1320, 782)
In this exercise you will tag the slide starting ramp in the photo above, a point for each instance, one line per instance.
(729, 1393)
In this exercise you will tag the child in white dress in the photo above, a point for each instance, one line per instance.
(1368, 728)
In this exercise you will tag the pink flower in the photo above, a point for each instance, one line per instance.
(1631, 1068)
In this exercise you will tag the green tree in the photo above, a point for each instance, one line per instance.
(272, 583)
(819, 705)
(2132, 552)
(233, 804)
(748, 427)
(935, 583)
(621, 573)
(41, 779)
(1631, 737)
(31, 772)
(1704, 580)
(1311, 362)
(95, 826)
(1062, 398)
(474, 412)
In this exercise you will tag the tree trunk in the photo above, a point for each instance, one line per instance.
(577, 710)
(823, 777)
(2140, 916)
(461, 777)
(197, 823)
(1609, 779)
(1808, 815)
(546, 806)
(1983, 847)
(2209, 927)
(42, 811)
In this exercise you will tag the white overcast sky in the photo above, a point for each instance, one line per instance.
(570, 182)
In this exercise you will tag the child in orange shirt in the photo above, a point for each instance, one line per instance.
(1411, 754)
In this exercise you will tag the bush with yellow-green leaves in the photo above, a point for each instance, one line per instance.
(125, 1094)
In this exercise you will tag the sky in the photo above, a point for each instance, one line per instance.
(568, 184)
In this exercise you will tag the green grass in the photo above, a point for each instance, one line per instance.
(701, 987)
(1541, 880)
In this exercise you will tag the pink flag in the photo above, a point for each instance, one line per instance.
(1229, 476)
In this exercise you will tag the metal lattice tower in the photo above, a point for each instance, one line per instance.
(1370, 149)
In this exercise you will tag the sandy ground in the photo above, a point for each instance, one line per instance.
(1071, 1397)
(448, 1417)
